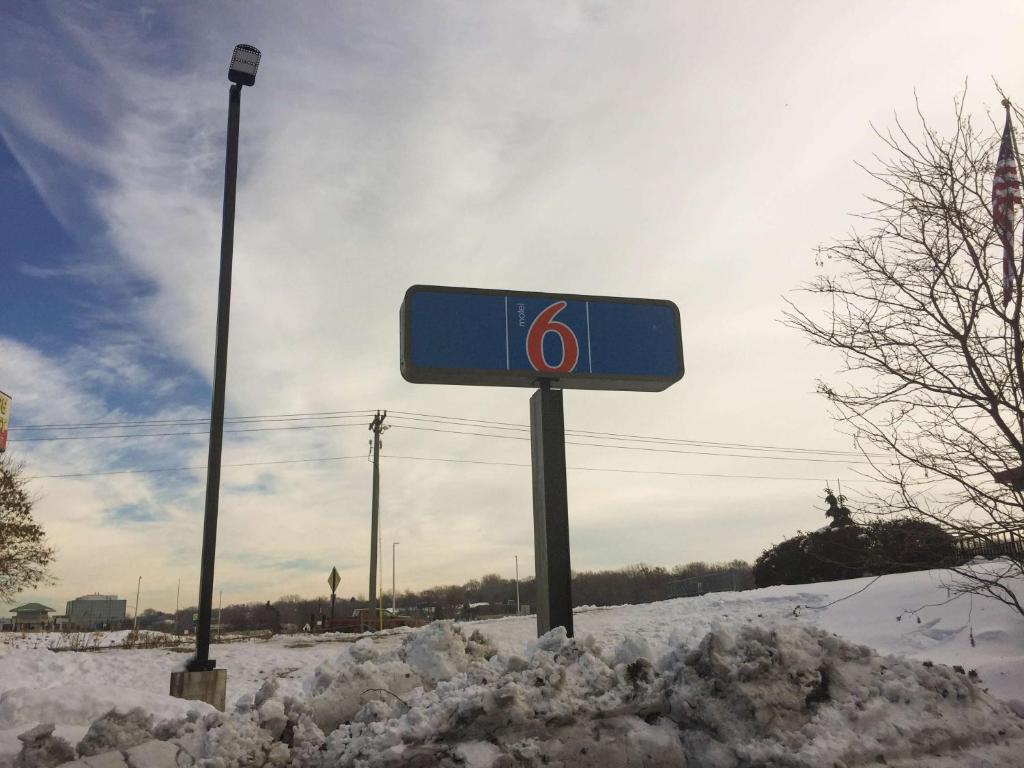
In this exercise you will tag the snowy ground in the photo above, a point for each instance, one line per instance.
(750, 678)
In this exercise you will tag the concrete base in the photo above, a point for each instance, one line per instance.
(210, 687)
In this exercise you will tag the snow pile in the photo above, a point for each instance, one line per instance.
(784, 695)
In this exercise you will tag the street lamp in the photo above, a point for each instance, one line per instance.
(242, 71)
(394, 609)
(245, 60)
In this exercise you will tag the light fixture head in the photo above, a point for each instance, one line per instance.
(244, 63)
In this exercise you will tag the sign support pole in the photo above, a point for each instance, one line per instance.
(333, 580)
(550, 511)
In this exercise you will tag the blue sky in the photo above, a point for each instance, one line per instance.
(688, 152)
(35, 243)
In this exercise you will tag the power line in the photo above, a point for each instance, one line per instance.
(184, 422)
(440, 418)
(197, 467)
(521, 437)
(180, 434)
(637, 447)
(617, 437)
(617, 470)
(408, 415)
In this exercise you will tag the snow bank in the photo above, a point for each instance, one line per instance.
(782, 695)
(906, 614)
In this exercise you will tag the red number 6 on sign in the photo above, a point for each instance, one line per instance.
(541, 326)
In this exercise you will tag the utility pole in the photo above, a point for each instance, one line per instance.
(138, 589)
(177, 597)
(376, 426)
(220, 613)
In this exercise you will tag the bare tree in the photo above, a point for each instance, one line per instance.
(24, 555)
(933, 362)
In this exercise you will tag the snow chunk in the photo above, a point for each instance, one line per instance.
(341, 688)
(105, 760)
(117, 730)
(153, 754)
(41, 749)
(632, 648)
(438, 652)
(272, 717)
(478, 754)
(364, 649)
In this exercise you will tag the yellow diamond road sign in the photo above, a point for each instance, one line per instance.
(334, 579)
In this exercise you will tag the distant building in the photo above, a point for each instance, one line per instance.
(90, 612)
(31, 617)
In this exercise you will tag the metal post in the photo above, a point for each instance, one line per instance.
(375, 426)
(394, 603)
(550, 511)
(202, 660)
(380, 580)
(332, 605)
(177, 597)
(138, 589)
(220, 614)
(517, 586)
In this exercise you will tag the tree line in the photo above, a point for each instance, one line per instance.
(639, 583)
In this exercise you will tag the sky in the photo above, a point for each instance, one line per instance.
(692, 152)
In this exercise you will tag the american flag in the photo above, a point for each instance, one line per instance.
(1005, 195)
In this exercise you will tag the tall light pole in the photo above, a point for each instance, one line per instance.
(394, 604)
(517, 585)
(242, 71)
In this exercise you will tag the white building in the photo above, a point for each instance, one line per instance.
(96, 611)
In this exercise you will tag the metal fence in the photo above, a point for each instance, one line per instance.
(731, 580)
(1001, 544)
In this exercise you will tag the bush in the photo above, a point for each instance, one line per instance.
(849, 551)
(910, 545)
(784, 563)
